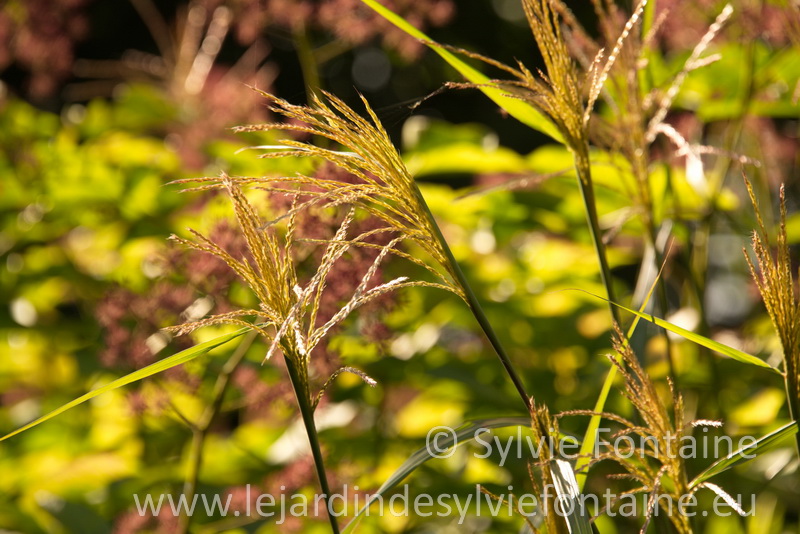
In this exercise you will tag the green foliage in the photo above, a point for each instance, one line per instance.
(519, 110)
(461, 436)
(158, 367)
(746, 453)
(339, 240)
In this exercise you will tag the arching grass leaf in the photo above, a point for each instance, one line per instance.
(745, 454)
(518, 109)
(569, 493)
(460, 436)
(150, 370)
(588, 443)
(703, 341)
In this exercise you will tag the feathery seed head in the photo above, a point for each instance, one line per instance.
(379, 186)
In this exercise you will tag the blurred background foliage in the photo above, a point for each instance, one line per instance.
(103, 103)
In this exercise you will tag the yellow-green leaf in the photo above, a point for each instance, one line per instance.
(155, 368)
(460, 436)
(703, 341)
(518, 109)
(745, 453)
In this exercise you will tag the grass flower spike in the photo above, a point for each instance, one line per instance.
(775, 282)
(383, 187)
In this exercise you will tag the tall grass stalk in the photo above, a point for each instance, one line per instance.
(302, 394)
(477, 310)
(388, 192)
(559, 95)
(584, 172)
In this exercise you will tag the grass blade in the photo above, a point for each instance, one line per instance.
(568, 492)
(703, 341)
(518, 109)
(745, 453)
(155, 368)
(462, 435)
(587, 445)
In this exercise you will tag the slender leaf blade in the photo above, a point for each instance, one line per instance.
(155, 368)
(518, 109)
(462, 435)
(703, 341)
(569, 493)
(745, 454)
(587, 446)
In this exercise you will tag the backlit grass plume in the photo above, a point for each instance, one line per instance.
(558, 91)
(565, 94)
(382, 186)
(287, 315)
(656, 425)
(378, 184)
(773, 276)
(652, 458)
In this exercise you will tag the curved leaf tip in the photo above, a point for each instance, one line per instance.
(150, 370)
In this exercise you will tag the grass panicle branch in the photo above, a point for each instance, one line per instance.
(288, 308)
(384, 188)
(774, 279)
(287, 314)
(641, 391)
(692, 63)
